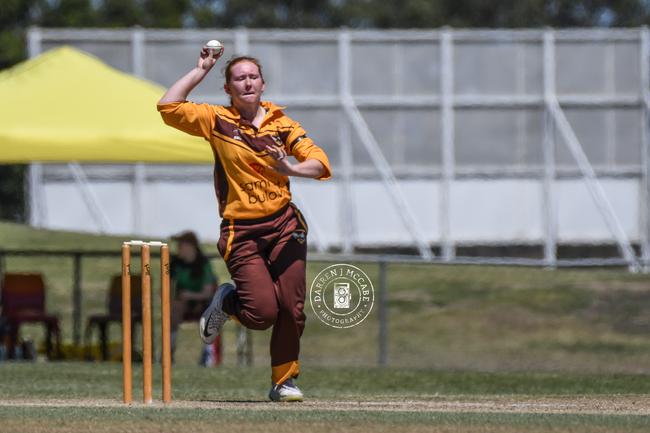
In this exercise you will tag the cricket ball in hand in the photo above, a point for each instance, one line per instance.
(214, 47)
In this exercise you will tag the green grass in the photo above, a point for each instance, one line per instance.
(199, 420)
(103, 380)
(443, 317)
(462, 333)
(85, 382)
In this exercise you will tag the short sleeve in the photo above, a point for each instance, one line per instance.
(303, 148)
(194, 119)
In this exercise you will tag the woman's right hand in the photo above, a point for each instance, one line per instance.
(206, 61)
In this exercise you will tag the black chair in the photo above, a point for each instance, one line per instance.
(114, 314)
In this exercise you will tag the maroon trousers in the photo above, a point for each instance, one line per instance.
(266, 260)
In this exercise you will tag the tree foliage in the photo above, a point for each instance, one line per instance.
(17, 15)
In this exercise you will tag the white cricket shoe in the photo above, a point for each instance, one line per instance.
(286, 391)
(214, 317)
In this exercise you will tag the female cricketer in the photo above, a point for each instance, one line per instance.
(263, 235)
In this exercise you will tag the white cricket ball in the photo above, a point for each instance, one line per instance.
(214, 47)
(214, 44)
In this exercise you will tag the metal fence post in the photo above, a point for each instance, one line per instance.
(447, 130)
(242, 46)
(244, 346)
(34, 178)
(76, 301)
(548, 181)
(137, 51)
(137, 58)
(137, 197)
(382, 297)
(37, 216)
(347, 217)
(644, 203)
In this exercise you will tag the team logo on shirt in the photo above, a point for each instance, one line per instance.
(262, 190)
(299, 235)
(259, 168)
(237, 135)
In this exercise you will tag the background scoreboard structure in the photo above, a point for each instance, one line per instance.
(441, 139)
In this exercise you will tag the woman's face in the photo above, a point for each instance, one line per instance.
(246, 85)
(186, 252)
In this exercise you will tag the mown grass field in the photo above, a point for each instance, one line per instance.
(472, 348)
(76, 397)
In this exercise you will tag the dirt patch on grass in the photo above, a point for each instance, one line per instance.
(618, 405)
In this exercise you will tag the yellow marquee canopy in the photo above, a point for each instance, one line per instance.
(66, 105)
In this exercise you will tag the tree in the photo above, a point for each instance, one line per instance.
(66, 13)
(166, 13)
(119, 13)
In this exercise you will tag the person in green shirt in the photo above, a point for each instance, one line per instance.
(193, 284)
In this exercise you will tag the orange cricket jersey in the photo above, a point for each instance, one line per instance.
(245, 187)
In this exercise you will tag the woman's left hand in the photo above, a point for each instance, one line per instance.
(282, 164)
(311, 168)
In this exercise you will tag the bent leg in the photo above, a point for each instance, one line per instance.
(253, 302)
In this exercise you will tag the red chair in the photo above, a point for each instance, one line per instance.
(114, 313)
(23, 301)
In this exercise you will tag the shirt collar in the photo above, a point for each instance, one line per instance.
(269, 106)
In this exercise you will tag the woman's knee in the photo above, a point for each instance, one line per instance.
(261, 319)
(294, 307)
